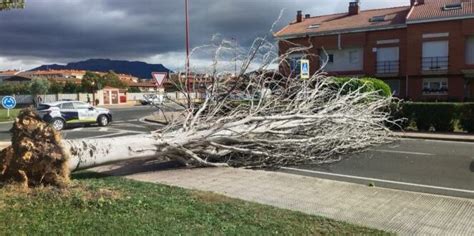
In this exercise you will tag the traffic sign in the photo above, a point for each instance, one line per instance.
(305, 69)
(160, 77)
(8, 102)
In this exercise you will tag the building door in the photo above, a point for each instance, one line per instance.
(106, 97)
(388, 60)
(115, 97)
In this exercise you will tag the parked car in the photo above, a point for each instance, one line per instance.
(151, 99)
(64, 113)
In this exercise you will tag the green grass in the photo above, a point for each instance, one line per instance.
(13, 114)
(115, 206)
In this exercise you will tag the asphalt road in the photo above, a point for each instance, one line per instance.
(435, 167)
(126, 121)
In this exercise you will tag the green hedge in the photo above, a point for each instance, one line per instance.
(466, 118)
(442, 117)
(367, 85)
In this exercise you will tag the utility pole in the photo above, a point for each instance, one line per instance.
(187, 46)
(235, 56)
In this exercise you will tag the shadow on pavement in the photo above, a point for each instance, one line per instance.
(137, 166)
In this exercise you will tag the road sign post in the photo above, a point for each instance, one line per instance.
(304, 69)
(8, 102)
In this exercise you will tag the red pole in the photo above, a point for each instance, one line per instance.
(187, 45)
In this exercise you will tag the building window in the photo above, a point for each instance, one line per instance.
(330, 58)
(394, 85)
(388, 60)
(354, 57)
(295, 65)
(435, 86)
(470, 51)
(452, 6)
(435, 56)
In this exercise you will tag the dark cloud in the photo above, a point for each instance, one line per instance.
(66, 30)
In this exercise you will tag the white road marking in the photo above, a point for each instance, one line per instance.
(104, 129)
(381, 180)
(403, 152)
(78, 129)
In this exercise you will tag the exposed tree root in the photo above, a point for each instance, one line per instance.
(36, 156)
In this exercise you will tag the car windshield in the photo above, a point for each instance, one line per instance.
(43, 107)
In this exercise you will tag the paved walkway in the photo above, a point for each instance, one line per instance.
(405, 213)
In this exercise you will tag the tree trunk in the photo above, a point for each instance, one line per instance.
(88, 153)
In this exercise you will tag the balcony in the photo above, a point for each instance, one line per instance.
(387, 68)
(434, 65)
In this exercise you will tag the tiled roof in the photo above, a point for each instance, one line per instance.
(344, 21)
(433, 9)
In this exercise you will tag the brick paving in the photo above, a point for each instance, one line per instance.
(401, 212)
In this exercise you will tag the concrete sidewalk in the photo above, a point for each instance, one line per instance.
(405, 213)
(457, 137)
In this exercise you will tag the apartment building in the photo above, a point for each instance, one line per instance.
(424, 51)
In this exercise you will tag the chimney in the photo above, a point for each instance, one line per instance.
(299, 16)
(307, 16)
(354, 8)
(416, 2)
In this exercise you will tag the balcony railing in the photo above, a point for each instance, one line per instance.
(435, 63)
(388, 67)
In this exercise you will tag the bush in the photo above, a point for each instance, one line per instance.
(467, 117)
(134, 90)
(365, 84)
(19, 89)
(442, 117)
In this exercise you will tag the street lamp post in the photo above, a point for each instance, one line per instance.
(187, 45)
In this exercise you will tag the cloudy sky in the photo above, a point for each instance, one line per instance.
(61, 31)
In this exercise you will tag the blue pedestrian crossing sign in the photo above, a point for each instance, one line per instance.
(305, 69)
(8, 102)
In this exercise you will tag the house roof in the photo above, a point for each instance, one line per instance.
(344, 22)
(431, 10)
(434, 10)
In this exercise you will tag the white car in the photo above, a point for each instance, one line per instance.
(152, 99)
(61, 114)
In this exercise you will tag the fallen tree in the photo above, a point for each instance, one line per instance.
(260, 119)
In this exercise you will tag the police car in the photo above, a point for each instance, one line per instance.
(61, 114)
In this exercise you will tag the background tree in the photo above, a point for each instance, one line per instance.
(112, 79)
(11, 4)
(39, 87)
(91, 83)
(56, 88)
(70, 87)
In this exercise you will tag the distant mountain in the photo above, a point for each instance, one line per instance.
(136, 68)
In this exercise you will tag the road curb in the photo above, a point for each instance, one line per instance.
(147, 120)
(455, 138)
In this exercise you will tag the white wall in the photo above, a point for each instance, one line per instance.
(349, 59)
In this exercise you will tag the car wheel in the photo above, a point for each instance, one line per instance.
(103, 120)
(58, 124)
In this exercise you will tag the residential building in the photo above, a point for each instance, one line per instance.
(424, 51)
(7, 74)
(55, 74)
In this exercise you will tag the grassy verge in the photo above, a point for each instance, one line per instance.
(13, 114)
(116, 206)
